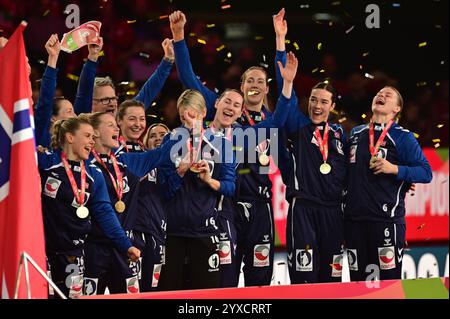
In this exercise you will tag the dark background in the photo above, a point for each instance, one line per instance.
(133, 32)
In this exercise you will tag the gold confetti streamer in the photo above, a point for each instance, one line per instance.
(244, 171)
(72, 77)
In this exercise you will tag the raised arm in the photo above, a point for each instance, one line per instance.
(156, 81)
(43, 113)
(85, 91)
(285, 101)
(280, 27)
(184, 67)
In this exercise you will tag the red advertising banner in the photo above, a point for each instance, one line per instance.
(426, 210)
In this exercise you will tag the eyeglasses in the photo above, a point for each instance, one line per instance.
(107, 100)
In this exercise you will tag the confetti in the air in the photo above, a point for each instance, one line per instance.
(436, 140)
(422, 226)
(363, 116)
(416, 135)
(227, 6)
(220, 48)
(315, 70)
(296, 46)
(439, 125)
(144, 55)
(421, 83)
(244, 171)
(46, 12)
(211, 25)
(396, 5)
(259, 37)
(201, 41)
(349, 29)
(342, 120)
(229, 55)
(72, 77)
(131, 21)
(365, 54)
(304, 6)
(437, 145)
(369, 76)
(422, 44)
(287, 41)
(319, 46)
(154, 103)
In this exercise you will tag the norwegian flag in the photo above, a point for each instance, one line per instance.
(21, 225)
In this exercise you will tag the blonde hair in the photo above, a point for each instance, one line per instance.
(399, 101)
(258, 68)
(61, 127)
(151, 127)
(192, 99)
(95, 118)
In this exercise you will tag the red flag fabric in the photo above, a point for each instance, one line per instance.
(21, 224)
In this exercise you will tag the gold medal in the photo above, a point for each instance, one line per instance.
(194, 168)
(372, 161)
(264, 159)
(325, 168)
(119, 206)
(82, 212)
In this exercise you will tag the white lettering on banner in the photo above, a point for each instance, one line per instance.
(408, 268)
(428, 267)
(429, 198)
